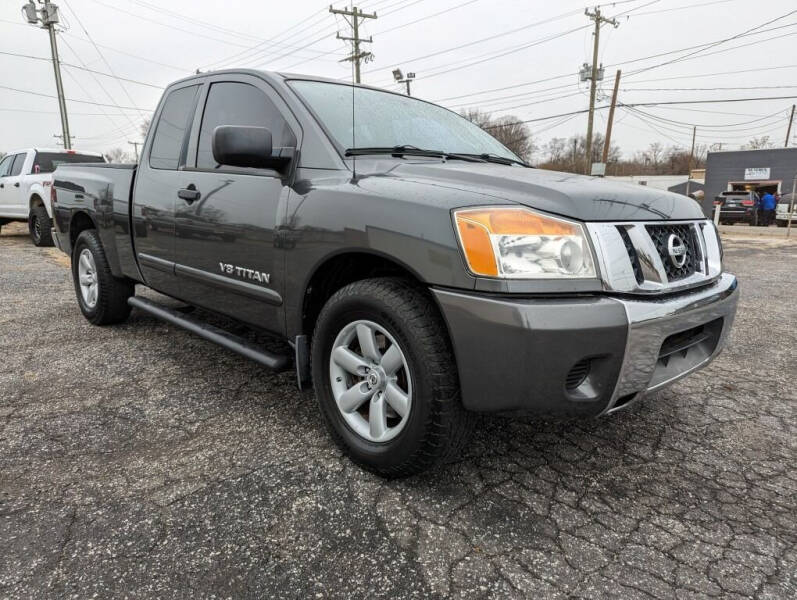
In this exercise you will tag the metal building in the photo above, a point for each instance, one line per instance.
(770, 170)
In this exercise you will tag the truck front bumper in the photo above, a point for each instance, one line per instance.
(581, 356)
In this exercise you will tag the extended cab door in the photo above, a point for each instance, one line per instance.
(158, 181)
(12, 203)
(225, 232)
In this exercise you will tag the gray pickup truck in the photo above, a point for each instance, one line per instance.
(420, 271)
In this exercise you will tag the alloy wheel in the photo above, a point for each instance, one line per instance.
(371, 381)
(87, 277)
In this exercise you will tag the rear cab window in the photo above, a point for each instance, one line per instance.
(168, 143)
(46, 162)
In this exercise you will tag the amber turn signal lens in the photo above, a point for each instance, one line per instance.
(477, 246)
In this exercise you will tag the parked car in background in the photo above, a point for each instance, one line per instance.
(26, 177)
(738, 207)
(782, 210)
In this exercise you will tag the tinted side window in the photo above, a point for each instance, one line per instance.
(170, 130)
(16, 168)
(232, 103)
(5, 165)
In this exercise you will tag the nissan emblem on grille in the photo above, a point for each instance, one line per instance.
(677, 250)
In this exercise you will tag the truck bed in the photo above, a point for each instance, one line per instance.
(102, 192)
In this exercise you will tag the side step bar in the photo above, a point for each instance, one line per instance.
(214, 334)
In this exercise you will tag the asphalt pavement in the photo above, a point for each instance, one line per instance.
(139, 461)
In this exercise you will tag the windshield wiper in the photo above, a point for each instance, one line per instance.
(501, 160)
(406, 150)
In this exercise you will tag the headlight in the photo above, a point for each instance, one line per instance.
(520, 243)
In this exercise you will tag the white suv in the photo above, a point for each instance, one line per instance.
(26, 178)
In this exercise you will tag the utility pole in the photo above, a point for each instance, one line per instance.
(48, 17)
(357, 57)
(608, 141)
(135, 147)
(791, 121)
(599, 20)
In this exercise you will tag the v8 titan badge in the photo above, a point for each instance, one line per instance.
(245, 273)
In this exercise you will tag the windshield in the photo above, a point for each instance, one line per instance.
(46, 162)
(385, 120)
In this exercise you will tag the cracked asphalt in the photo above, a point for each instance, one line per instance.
(139, 461)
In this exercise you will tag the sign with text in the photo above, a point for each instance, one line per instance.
(756, 173)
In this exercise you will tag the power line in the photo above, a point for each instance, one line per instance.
(714, 44)
(431, 16)
(101, 55)
(131, 55)
(618, 64)
(674, 102)
(43, 95)
(711, 89)
(485, 39)
(97, 81)
(81, 68)
(51, 112)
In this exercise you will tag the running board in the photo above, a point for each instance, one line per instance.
(213, 334)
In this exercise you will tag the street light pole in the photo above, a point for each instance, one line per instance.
(399, 77)
(48, 17)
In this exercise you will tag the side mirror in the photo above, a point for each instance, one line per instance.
(242, 146)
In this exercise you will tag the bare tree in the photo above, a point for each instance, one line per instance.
(556, 150)
(758, 143)
(508, 130)
(117, 155)
(144, 127)
(570, 154)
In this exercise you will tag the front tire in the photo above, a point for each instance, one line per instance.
(101, 296)
(39, 226)
(385, 378)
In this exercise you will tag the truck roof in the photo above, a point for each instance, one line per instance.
(275, 75)
(54, 151)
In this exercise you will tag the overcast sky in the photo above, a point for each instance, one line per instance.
(459, 49)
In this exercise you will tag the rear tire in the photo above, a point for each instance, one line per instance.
(434, 425)
(101, 296)
(39, 226)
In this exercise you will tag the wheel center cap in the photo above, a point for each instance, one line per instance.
(373, 379)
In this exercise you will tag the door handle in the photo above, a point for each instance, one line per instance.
(189, 194)
(2, 185)
(16, 184)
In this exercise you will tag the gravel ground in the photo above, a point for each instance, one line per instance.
(139, 461)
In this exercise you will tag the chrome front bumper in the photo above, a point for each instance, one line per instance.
(651, 323)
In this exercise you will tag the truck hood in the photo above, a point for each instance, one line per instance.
(575, 196)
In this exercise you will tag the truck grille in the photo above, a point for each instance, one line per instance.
(661, 234)
(634, 256)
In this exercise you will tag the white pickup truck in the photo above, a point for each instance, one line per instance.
(26, 178)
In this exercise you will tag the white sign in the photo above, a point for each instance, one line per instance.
(756, 173)
(598, 169)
